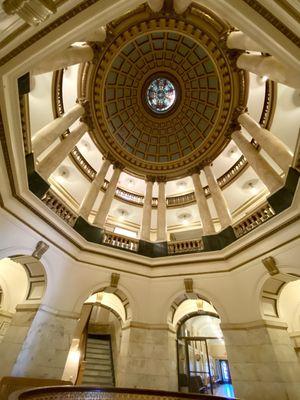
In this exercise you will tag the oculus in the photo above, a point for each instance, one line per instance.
(161, 95)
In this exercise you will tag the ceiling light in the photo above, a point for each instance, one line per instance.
(122, 214)
(251, 186)
(264, 78)
(233, 152)
(62, 175)
(184, 218)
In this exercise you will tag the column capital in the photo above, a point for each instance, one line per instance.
(161, 179)
(195, 170)
(118, 165)
(150, 178)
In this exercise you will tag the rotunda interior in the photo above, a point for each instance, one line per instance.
(149, 197)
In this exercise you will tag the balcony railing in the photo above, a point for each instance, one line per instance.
(185, 246)
(252, 221)
(257, 217)
(59, 208)
(122, 242)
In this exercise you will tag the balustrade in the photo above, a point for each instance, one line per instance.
(59, 208)
(252, 221)
(123, 242)
(185, 246)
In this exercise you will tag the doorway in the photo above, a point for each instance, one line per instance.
(202, 359)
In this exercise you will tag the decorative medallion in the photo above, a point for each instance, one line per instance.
(162, 91)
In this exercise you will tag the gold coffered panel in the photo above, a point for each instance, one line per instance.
(147, 46)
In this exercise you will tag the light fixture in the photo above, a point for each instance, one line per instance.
(264, 78)
(184, 218)
(63, 174)
(233, 152)
(122, 214)
(130, 182)
(251, 186)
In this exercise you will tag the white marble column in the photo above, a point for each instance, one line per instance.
(107, 199)
(56, 156)
(147, 211)
(180, 6)
(270, 67)
(99, 35)
(47, 135)
(204, 212)
(46, 347)
(70, 56)
(91, 196)
(161, 213)
(261, 167)
(155, 5)
(273, 146)
(218, 198)
(238, 40)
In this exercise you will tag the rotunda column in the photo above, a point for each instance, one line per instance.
(261, 167)
(47, 135)
(91, 196)
(273, 146)
(238, 40)
(180, 6)
(56, 156)
(204, 212)
(269, 66)
(155, 5)
(70, 56)
(218, 198)
(108, 197)
(147, 210)
(161, 212)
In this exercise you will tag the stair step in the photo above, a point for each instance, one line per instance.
(97, 350)
(98, 367)
(92, 372)
(98, 356)
(97, 380)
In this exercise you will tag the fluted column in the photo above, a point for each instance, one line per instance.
(108, 197)
(238, 40)
(161, 212)
(56, 156)
(204, 212)
(70, 56)
(49, 133)
(218, 198)
(273, 146)
(147, 211)
(269, 66)
(261, 167)
(91, 196)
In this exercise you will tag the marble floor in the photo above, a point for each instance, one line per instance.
(225, 390)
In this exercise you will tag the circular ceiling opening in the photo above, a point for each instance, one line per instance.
(161, 95)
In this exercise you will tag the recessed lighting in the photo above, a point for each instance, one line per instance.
(251, 186)
(233, 152)
(184, 218)
(181, 184)
(122, 214)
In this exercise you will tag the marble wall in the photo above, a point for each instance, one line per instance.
(45, 349)
(263, 362)
(147, 358)
(15, 335)
(5, 320)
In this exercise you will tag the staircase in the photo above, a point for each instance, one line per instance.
(99, 367)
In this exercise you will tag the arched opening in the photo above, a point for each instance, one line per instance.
(23, 283)
(201, 353)
(281, 302)
(94, 353)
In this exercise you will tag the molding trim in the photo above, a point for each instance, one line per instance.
(261, 323)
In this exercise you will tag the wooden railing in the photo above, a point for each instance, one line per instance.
(185, 246)
(123, 242)
(58, 207)
(252, 221)
(85, 392)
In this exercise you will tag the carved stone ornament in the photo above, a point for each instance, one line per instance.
(114, 280)
(188, 284)
(31, 11)
(270, 265)
(40, 250)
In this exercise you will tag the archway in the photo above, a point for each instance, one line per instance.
(94, 353)
(23, 283)
(201, 353)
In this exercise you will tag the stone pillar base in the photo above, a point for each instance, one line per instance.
(89, 232)
(147, 358)
(262, 359)
(37, 185)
